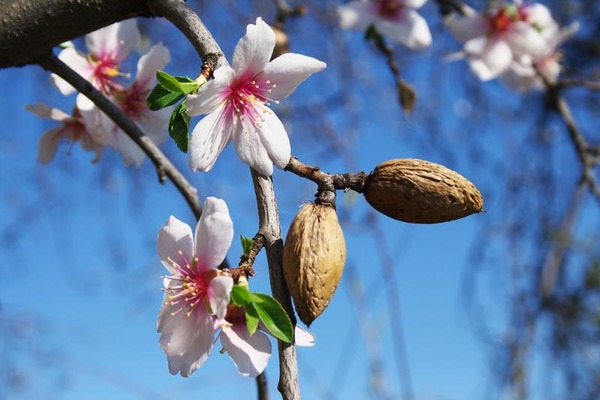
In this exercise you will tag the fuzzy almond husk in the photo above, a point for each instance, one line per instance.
(419, 191)
(314, 255)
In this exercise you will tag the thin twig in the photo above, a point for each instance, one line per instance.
(163, 165)
(261, 387)
(582, 147)
(270, 228)
(566, 83)
(555, 256)
(353, 181)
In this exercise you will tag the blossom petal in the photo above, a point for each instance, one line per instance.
(95, 122)
(357, 15)
(287, 71)
(414, 3)
(44, 111)
(186, 341)
(254, 50)
(155, 124)
(116, 40)
(214, 233)
(78, 62)
(488, 58)
(467, 28)
(250, 354)
(209, 138)
(249, 146)
(412, 30)
(303, 338)
(154, 60)
(220, 294)
(48, 144)
(275, 140)
(210, 95)
(525, 39)
(129, 150)
(175, 236)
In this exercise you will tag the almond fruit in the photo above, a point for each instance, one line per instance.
(420, 191)
(314, 255)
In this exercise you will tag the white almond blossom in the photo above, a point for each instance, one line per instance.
(196, 293)
(236, 103)
(395, 19)
(510, 32)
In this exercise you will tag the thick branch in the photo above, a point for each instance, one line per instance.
(188, 22)
(270, 228)
(29, 29)
(164, 167)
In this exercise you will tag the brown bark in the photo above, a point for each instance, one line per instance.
(30, 29)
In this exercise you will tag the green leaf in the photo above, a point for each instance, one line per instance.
(177, 84)
(247, 243)
(251, 318)
(179, 127)
(160, 97)
(240, 295)
(272, 314)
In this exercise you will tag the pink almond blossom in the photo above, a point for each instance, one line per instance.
(108, 47)
(394, 19)
(132, 101)
(524, 73)
(494, 40)
(72, 130)
(196, 293)
(236, 104)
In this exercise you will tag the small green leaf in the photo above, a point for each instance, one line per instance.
(177, 84)
(247, 243)
(160, 97)
(179, 127)
(272, 314)
(251, 318)
(169, 82)
(240, 295)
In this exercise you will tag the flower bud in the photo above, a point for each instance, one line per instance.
(420, 191)
(313, 259)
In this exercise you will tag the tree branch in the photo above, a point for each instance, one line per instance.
(270, 228)
(163, 165)
(29, 29)
(188, 22)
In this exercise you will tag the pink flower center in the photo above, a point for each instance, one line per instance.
(133, 100)
(390, 8)
(105, 69)
(189, 287)
(248, 100)
(504, 18)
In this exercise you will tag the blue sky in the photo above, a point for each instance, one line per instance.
(82, 278)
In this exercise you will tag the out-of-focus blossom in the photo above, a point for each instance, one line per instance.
(196, 293)
(132, 101)
(524, 74)
(108, 47)
(394, 19)
(510, 32)
(72, 130)
(236, 103)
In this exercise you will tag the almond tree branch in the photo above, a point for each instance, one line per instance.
(352, 181)
(31, 28)
(164, 167)
(270, 228)
(188, 22)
